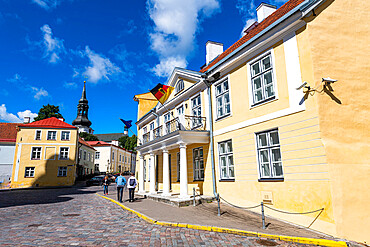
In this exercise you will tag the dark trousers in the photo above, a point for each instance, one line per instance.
(105, 189)
(131, 192)
(119, 194)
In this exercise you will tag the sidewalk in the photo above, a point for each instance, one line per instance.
(206, 215)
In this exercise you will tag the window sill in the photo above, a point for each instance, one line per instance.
(36, 159)
(263, 102)
(198, 180)
(65, 140)
(51, 139)
(28, 177)
(223, 117)
(227, 180)
(271, 180)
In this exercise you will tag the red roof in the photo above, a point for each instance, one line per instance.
(8, 132)
(98, 143)
(288, 6)
(52, 122)
(82, 141)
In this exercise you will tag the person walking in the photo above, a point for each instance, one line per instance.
(120, 181)
(131, 185)
(106, 183)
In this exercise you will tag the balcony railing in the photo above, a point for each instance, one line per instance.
(179, 123)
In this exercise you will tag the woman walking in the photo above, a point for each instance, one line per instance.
(106, 184)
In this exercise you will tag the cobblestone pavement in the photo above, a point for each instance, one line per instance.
(78, 217)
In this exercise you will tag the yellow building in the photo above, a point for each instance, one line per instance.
(45, 154)
(280, 117)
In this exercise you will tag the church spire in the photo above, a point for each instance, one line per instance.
(82, 121)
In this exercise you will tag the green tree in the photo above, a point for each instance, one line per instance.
(48, 111)
(128, 142)
(88, 137)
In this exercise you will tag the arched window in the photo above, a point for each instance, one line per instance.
(179, 86)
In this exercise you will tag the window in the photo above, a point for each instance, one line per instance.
(38, 135)
(120, 157)
(52, 135)
(222, 99)
(225, 150)
(144, 170)
(79, 154)
(179, 86)
(198, 163)
(262, 80)
(65, 135)
(29, 172)
(88, 157)
(84, 155)
(167, 119)
(97, 155)
(113, 156)
(145, 130)
(180, 110)
(269, 155)
(62, 171)
(178, 167)
(64, 153)
(97, 167)
(36, 153)
(196, 109)
(151, 126)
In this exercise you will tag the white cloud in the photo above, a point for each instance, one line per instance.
(70, 85)
(176, 23)
(39, 92)
(15, 78)
(47, 4)
(53, 46)
(10, 117)
(248, 23)
(100, 67)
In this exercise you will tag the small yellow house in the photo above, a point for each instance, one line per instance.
(279, 117)
(45, 154)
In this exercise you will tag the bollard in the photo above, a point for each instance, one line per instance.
(218, 203)
(194, 196)
(263, 217)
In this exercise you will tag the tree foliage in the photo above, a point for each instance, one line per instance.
(48, 111)
(88, 137)
(128, 142)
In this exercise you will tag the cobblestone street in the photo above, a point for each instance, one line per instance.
(78, 217)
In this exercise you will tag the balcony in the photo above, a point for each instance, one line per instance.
(182, 123)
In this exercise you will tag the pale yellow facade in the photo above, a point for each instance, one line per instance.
(317, 151)
(48, 167)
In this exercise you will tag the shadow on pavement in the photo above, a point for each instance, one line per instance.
(11, 198)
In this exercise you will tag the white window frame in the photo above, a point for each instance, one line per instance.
(29, 172)
(64, 157)
(166, 121)
(40, 154)
(196, 123)
(151, 128)
(200, 159)
(269, 147)
(253, 104)
(97, 155)
(227, 154)
(62, 171)
(64, 132)
(222, 95)
(38, 131)
(88, 156)
(180, 85)
(56, 135)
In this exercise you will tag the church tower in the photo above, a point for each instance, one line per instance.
(82, 121)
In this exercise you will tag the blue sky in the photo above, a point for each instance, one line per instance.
(120, 47)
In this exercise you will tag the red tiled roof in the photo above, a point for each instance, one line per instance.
(8, 132)
(52, 122)
(82, 141)
(288, 6)
(98, 143)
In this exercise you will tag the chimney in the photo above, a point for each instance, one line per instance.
(61, 119)
(213, 49)
(26, 120)
(264, 10)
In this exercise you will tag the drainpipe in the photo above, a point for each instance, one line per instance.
(208, 81)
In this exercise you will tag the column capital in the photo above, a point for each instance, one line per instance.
(182, 144)
(164, 150)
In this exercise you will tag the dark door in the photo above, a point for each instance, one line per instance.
(169, 164)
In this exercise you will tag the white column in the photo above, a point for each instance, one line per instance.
(166, 176)
(141, 174)
(152, 174)
(183, 172)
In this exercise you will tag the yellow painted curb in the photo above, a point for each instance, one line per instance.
(321, 242)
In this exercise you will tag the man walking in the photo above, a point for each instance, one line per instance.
(131, 185)
(120, 181)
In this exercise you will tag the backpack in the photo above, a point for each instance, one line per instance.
(132, 182)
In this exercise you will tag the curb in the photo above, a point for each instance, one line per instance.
(301, 240)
